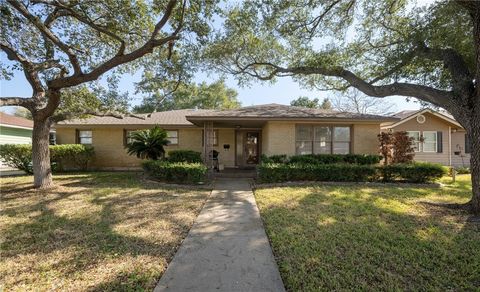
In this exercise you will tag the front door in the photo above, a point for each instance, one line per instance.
(247, 148)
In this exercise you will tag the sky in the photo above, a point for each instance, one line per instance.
(281, 92)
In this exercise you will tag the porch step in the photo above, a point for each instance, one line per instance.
(234, 173)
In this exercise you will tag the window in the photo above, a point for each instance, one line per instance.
(172, 136)
(85, 137)
(304, 140)
(128, 136)
(341, 140)
(215, 137)
(52, 138)
(416, 140)
(322, 140)
(429, 141)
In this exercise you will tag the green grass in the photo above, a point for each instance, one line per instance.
(94, 231)
(372, 238)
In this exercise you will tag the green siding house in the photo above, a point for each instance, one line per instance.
(15, 130)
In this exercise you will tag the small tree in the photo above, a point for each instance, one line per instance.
(386, 146)
(148, 143)
(403, 151)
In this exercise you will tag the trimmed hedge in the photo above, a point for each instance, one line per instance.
(17, 156)
(276, 172)
(178, 172)
(342, 172)
(363, 159)
(188, 156)
(72, 156)
(418, 172)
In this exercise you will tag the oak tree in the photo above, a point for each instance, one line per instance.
(380, 47)
(63, 45)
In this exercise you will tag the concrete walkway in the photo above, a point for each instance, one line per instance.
(227, 248)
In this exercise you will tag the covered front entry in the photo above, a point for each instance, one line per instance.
(247, 148)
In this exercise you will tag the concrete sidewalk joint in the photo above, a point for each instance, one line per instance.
(227, 248)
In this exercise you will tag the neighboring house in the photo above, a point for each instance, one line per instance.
(437, 136)
(240, 135)
(15, 130)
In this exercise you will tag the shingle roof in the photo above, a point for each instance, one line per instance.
(174, 117)
(284, 112)
(405, 113)
(266, 111)
(6, 119)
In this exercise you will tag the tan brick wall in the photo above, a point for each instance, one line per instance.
(278, 138)
(364, 138)
(226, 136)
(110, 151)
(432, 123)
(65, 136)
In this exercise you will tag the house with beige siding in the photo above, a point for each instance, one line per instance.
(240, 136)
(437, 137)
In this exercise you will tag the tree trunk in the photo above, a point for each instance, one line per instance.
(475, 118)
(42, 172)
(475, 162)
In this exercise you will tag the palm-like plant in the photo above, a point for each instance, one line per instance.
(148, 143)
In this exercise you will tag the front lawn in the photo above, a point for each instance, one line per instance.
(94, 231)
(372, 238)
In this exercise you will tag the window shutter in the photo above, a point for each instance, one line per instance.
(468, 145)
(439, 142)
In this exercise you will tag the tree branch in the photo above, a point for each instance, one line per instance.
(425, 93)
(28, 67)
(117, 60)
(48, 34)
(114, 114)
(26, 102)
(64, 10)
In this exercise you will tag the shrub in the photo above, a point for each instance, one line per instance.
(188, 156)
(342, 172)
(385, 140)
(17, 156)
(179, 172)
(281, 158)
(335, 158)
(402, 147)
(418, 172)
(73, 156)
(276, 172)
(148, 143)
(462, 170)
(396, 147)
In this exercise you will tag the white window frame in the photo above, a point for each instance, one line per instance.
(435, 142)
(419, 140)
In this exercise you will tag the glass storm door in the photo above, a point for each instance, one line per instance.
(251, 148)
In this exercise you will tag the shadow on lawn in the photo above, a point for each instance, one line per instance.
(93, 236)
(337, 238)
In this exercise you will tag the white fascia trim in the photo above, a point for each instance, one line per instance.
(414, 115)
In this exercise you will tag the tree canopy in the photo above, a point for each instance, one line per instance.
(215, 95)
(382, 48)
(304, 101)
(62, 46)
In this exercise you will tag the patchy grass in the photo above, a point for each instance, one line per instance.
(94, 231)
(372, 238)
